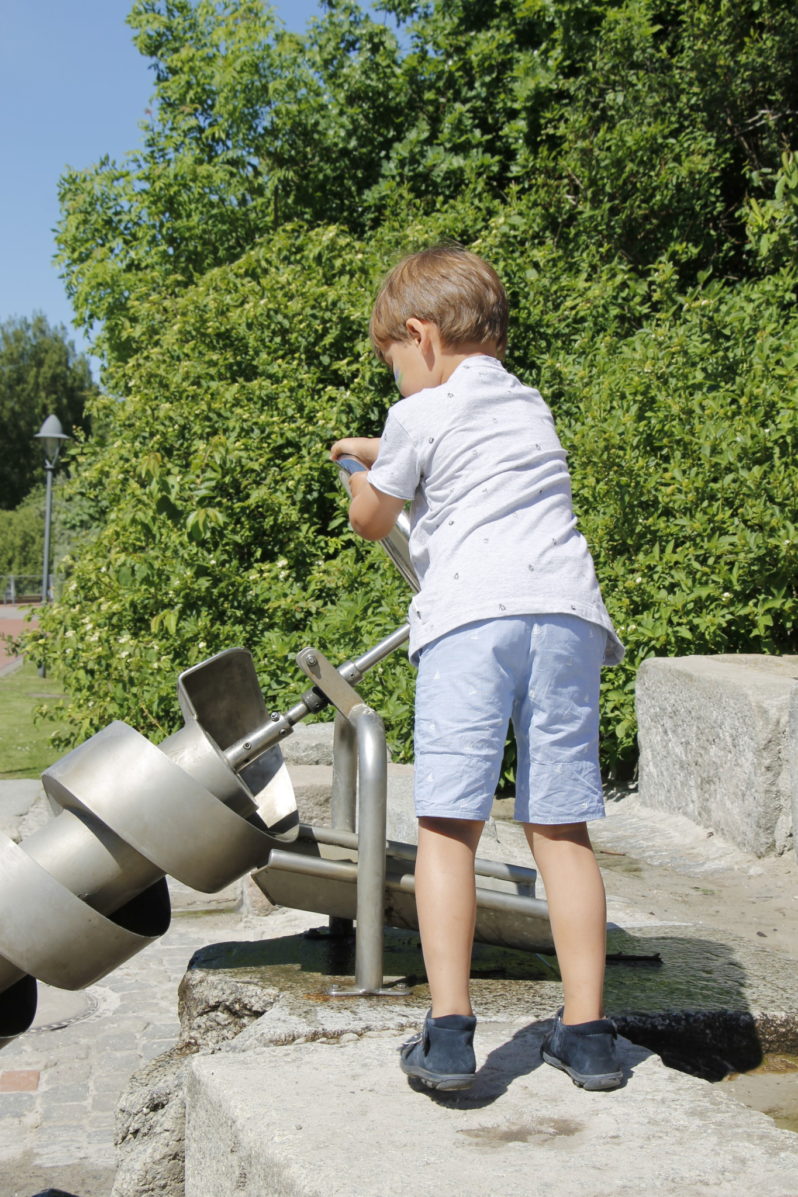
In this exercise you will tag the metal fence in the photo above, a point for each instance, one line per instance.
(21, 588)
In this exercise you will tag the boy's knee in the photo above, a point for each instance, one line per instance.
(571, 833)
(467, 831)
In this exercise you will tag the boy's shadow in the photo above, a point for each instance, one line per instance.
(519, 1056)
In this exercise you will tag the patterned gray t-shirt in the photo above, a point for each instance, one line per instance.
(493, 529)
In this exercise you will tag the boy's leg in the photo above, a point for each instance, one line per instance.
(446, 905)
(578, 913)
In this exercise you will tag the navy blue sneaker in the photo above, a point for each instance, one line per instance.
(442, 1056)
(585, 1051)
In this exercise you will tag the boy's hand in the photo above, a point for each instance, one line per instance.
(364, 448)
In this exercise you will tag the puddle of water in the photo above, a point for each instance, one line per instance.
(771, 1088)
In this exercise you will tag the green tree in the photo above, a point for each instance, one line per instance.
(22, 536)
(249, 127)
(40, 374)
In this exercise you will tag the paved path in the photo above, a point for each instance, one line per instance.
(60, 1083)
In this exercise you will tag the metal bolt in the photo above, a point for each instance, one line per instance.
(275, 716)
(311, 659)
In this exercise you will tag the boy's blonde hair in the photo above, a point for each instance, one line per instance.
(447, 285)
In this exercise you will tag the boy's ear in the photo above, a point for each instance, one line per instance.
(419, 331)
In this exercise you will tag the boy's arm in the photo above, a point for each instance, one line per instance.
(372, 513)
(364, 448)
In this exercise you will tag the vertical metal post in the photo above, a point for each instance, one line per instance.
(343, 800)
(49, 467)
(343, 795)
(371, 811)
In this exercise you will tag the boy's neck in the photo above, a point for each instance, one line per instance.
(453, 356)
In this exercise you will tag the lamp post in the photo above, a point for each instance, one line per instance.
(52, 436)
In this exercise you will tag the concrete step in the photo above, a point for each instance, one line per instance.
(299, 1119)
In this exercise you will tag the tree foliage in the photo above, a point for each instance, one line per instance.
(627, 165)
(40, 374)
(22, 536)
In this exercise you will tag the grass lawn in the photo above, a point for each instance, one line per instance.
(25, 749)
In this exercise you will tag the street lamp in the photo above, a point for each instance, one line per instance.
(52, 436)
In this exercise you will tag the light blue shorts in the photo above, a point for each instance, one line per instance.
(541, 671)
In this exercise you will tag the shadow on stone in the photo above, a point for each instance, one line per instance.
(686, 999)
(291, 957)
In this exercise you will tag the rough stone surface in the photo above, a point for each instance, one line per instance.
(270, 1122)
(150, 1129)
(718, 744)
(792, 760)
(312, 783)
(312, 792)
(215, 1006)
(401, 822)
(309, 744)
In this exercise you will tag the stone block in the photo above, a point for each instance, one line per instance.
(719, 744)
(312, 785)
(309, 744)
(401, 822)
(150, 1129)
(312, 792)
(335, 1117)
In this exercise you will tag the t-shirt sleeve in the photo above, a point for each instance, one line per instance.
(396, 471)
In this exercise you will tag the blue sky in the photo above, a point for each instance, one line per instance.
(72, 88)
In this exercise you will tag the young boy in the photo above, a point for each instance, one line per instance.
(508, 624)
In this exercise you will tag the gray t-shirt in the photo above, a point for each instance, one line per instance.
(493, 531)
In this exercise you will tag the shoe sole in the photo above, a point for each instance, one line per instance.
(448, 1082)
(599, 1081)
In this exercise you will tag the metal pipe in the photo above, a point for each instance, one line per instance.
(349, 873)
(249, 748)
(343, 796)
(246, 750)
(372, 759)
(498, 870)
(343, 791)
(354, 671)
